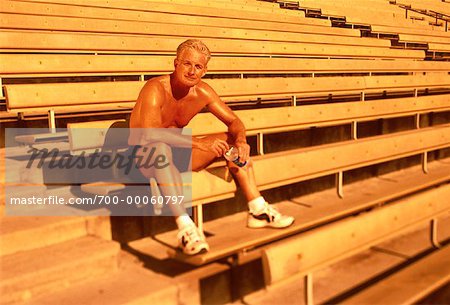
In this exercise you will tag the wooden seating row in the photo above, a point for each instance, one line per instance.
(189, 9)
(20, 41)
(46, 65)
(89, 25)
(35, 97)
(116, 11)
(115, 96)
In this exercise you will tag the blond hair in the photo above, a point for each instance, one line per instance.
(195, 44)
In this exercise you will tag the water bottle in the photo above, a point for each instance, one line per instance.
(233, 155)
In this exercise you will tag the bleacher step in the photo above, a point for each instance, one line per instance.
(343, 276)
(19, 233)
(132, 286)
(309, 211)
(410, 284)
(31, 273)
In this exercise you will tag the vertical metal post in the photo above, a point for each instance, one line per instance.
(234, 278)
(425, 162)
(51, 121)
(309, 298)
(198, 216)
(433, 233)
(354, 130)
(363, 96)
(294, 100)
(339, 184)
(260, 143)
(1, 87)
(417, 120)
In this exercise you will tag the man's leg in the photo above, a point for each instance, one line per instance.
(261, 214)
(191, 240)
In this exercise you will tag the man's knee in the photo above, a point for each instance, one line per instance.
(160, 149)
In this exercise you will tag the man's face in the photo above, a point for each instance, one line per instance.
(190, 66)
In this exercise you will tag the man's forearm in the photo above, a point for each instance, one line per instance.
(237, 130)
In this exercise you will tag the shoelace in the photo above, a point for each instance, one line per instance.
(192, 235)
(272, 211)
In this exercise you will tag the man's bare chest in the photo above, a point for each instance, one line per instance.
(179, 113)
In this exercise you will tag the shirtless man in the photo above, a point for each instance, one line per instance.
(171, 101)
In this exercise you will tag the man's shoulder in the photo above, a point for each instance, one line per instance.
(205, 89)
(154, 85)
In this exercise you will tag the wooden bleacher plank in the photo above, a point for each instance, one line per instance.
(41, 65)
(44, 96)
(400, 30)
(324, 207)
(186, 9)
(56, 23)
(35, 138)
(439, 47)
(16, 40)
(122, 12)
(137, 286)
(325, 245)
(423, 38)
(235, 6)
(410, 284)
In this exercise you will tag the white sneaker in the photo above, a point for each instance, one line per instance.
(268, 217)
(192, 241)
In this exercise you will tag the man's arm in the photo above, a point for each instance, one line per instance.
(235, 126)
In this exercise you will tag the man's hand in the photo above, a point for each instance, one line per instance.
(244, 150)
(217, 146)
